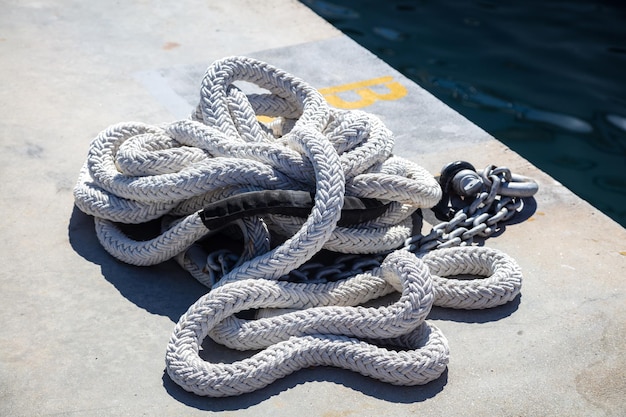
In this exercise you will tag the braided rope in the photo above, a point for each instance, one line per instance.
(137, 173)
(502, 284)
(315, 336)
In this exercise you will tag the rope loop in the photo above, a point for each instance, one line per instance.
(322, 334)
(500, 277)
(223, 105)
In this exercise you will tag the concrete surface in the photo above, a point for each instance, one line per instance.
(85, 335)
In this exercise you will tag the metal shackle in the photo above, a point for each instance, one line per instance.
(519, 186)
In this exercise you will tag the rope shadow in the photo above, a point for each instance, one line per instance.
(352, 380)
(476, 316)
(163, 289)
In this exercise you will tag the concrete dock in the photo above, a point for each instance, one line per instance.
(85, 335)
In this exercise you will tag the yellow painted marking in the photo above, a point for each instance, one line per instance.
(623, 253)
(367, 96)
(265, 119)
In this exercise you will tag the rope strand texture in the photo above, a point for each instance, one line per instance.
(314, 336)
(137, 173)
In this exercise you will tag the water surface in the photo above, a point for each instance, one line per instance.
(547, 78)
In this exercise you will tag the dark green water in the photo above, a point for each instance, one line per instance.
(547, 78)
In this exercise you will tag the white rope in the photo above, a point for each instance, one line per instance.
(318, 335)
(136, 173)
(501, 283)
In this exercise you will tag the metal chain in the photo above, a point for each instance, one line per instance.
(481, 215)
(342, 266)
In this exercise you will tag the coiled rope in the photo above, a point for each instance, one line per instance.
(137, 173)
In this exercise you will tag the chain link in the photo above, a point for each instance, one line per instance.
(479, 217)
(335, 269)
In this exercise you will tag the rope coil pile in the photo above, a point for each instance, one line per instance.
(137, 173)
